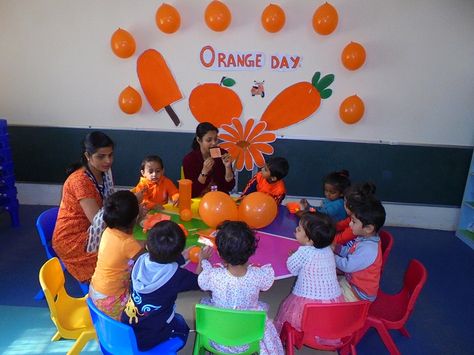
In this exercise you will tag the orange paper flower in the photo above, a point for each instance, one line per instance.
(247, 146)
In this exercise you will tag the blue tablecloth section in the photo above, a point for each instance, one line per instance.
(284, 224)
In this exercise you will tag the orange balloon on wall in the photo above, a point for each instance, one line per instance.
(122, 44)
(130, 101)
(217, 16)
(353, 56)
(216, 207)
(325, 19)
(167, 18)
(351, 109)
(258, 209)
(273, 18)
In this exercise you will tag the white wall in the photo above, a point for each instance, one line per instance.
(57, 68)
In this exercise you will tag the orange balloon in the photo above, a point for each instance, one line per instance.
(325, 19)
(273, 18)
(194, 254)
(353, 56)
(186, 215)
(167, 18)
(258, 209)
(217, 16)
(122, 43)
(216, 207)
(351, 109)
(130, 100)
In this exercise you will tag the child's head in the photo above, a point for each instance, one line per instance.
(236, 242)
(335, 184)
(276, 168)
(165, 242)
(315, 229)
(358, 194)
(152, 168)
(121, 210)
(367, 218)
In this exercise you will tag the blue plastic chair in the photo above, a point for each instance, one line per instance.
(45, 226)
(116, 338)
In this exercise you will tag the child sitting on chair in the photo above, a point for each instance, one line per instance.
(155, 187)
(237, 284)
(361, 258)
(110, 283)
(157, 278)
(270, 179)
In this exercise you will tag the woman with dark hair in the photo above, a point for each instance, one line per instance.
(80, 224)
(203, 169)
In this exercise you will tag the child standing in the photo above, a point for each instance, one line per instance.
(156, 188)
(109, 288)
(270, 179)
(313, 264)
(157, 278)
(361, 258)
(333, 204)
(236, 284)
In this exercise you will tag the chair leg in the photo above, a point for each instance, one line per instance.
(198, 350)
(81, 341)
(290, 345)
(404, 332)
(56, 337)
(386, 338)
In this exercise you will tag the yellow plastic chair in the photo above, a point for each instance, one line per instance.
(70, 314)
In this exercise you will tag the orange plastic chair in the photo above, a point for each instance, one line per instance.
(338, 322)
(70, 315)
(392, 311)
(386, 240)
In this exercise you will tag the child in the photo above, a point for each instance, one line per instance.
(313, 264)
(236, 284)
(156, 188)
(109, 288)
(270, 179)
(361, 258)
(157, 278)
(333, 204)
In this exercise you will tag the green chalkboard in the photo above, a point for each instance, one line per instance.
(402, 173)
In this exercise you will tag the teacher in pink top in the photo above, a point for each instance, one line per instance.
(202, 169)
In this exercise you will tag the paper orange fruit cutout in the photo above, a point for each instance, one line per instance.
(130, 101)
(217, 16)
(352, 109)
(122, 44)
(158, 83)
(353, 56)
(325, 19)
(167, 19)
(273, 18)
(194, 254)
(214, 103)
(297, 102)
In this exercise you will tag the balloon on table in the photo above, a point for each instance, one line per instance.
(351, 109)
(122, 43)
(217, 16)
(353, 56)
(325, 19)
(194, 254)
(216, 207)
(167, 19)
(130, 100)
(273, 18)
(186, 214)
(258, 209)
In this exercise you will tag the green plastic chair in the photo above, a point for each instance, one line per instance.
(228, 327)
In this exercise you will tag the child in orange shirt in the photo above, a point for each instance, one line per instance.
(270, 179)
(156, 188)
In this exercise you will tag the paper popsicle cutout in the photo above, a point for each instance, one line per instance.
(158, 83)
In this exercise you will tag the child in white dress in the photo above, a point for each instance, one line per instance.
(315, 267)
(236, 284)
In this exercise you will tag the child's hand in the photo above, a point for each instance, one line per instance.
(205, 253)
(175, 202)
(185, 253)
(142, 212)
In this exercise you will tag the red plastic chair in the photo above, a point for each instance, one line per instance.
(335, 321)
(386, 240)
(392, 311)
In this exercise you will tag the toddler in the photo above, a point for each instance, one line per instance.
(361, 258)
(157, 278)
(155, 187)
(236, 284)
(270, 179)
(313, 264)
(110, 283)
(333, 204)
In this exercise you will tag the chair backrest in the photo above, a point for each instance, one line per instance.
(52, 280)
(45, 225)
(413, 282)
(229, 327)
(386, 241)
(333, 320)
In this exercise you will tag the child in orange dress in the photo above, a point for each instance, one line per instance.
(156, 188)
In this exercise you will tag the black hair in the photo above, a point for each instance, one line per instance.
(236, 242)
(165, 242)
(319, 228)
(201, 131)
(339, 179)
(359, 194)
(278, 167)
(151, 158)
(371, 212)
(91, 143)
(121, 210)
